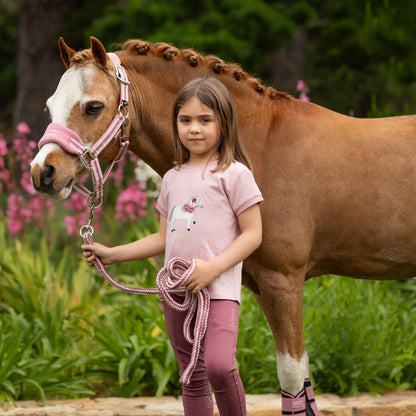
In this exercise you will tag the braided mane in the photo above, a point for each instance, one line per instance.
(192, 58)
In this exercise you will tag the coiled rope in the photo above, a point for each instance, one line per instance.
(170, 281)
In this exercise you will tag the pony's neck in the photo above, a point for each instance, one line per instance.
(151, 135)
(154, 85)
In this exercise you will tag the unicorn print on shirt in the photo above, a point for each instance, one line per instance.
(185, 212)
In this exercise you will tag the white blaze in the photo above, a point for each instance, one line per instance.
(67, 94)
(41, 156)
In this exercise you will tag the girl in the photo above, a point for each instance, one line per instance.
(209, 210)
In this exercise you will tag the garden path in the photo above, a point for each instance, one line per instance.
(388, 404)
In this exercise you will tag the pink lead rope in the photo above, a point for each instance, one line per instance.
(171, 281)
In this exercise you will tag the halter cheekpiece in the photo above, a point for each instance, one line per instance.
(72, 143)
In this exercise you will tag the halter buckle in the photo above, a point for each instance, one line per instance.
(121, 75)
(86, 152)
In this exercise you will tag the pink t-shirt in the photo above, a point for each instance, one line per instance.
(202, 209)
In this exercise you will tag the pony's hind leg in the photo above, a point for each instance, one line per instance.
(290, 373)
(281, 298)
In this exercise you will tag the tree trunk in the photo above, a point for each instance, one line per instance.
(39, 64)
(288, 65)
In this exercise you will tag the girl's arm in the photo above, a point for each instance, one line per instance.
(249, 239)
(148, 246)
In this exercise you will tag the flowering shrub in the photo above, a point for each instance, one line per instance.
(132, 203)
(303, 89)
(23, 207)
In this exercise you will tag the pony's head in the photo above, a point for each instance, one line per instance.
(83, 105)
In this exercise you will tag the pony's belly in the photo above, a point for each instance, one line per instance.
(388, 263)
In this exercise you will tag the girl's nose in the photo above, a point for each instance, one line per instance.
(195, 128)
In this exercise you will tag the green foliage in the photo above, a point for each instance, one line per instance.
(256, 352)
(245, 32)
(360, 51)
(359, 335)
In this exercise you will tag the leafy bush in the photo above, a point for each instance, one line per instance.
(359, 335)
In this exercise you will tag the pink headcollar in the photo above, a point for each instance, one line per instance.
(72, 143)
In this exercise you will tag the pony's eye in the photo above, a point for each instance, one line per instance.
(94, 108)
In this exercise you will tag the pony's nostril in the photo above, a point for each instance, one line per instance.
(49, 174)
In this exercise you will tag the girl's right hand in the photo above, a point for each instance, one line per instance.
(94, 250)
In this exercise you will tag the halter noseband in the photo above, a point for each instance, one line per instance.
(72, 143)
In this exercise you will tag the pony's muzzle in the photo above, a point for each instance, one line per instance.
(46, 182)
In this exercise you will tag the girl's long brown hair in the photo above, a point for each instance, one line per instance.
(214, 95)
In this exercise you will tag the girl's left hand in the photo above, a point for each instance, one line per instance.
(201, 277)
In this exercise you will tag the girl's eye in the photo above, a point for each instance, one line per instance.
(184, 120)
(94, 108)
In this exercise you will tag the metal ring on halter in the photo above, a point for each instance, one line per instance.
(95, 198)
(125, 105)
(86, 229)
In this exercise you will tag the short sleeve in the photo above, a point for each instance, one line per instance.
(241, 188)
(162, 200)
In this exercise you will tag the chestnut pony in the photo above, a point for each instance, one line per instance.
(339, 192)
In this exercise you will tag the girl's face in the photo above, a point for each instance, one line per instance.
(199, 131)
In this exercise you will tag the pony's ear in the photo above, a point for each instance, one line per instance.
(98, 51)
(66, 52)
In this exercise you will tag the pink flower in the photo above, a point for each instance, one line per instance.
(299, 86)
(304, 90)
(131, 203)
(3, 145)
(15, 227)
(189, 207)
(70, 224)
(117, 174)
(41, 210)
(16, 213)
(18, 145)
(76, 203)
(23, 129)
